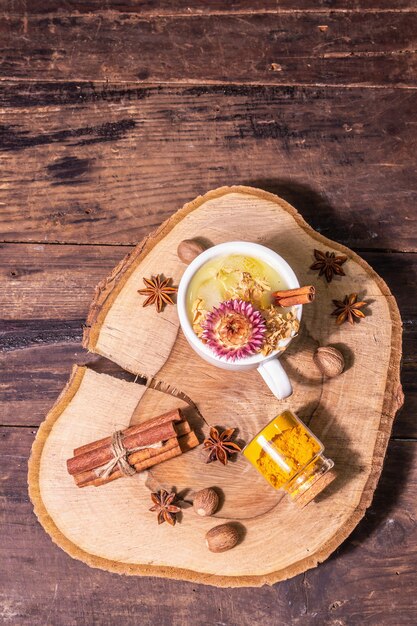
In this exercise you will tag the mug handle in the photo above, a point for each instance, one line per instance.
(276, 378)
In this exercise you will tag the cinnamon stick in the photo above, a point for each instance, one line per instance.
(182, 428)
(188, 442)
(170, 416)
(140, 467)
(144, 459)
(292, 297)
(100, 456)
(137, 457)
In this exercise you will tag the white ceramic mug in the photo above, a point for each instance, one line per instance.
(269, 366)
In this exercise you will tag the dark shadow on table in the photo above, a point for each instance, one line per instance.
(314, 207)
(386, 497)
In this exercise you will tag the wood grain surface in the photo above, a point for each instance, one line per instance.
(343, 155)
(154, 8)
(89, 163)
(293, 48)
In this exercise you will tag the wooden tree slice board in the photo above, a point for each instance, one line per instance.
(110, 527)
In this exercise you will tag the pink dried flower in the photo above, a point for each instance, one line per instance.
(234, 330)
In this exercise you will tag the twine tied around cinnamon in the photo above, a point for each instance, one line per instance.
(120, 453)
(120, 456)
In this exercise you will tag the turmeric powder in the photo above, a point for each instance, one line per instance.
(282, 449)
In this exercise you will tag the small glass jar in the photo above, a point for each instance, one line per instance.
(290, 457)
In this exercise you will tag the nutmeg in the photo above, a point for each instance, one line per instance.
(221, 538)
(188, 250)
(329, 360)
(206, 502)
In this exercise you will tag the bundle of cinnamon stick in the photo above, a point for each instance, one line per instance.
(141, 447)
(291, 297)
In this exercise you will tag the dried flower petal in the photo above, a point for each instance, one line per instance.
(234, 330)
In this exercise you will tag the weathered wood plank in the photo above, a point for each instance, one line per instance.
(32, 378)
(106, 164)
(42, 585)
(151, 8)
(400, 273)
(52, 282)
(46, 291)
(289, 48)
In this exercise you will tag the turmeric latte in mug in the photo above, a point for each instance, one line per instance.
(229, 304)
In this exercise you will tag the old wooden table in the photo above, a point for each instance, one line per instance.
(113, 115)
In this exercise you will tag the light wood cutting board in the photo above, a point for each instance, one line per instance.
(110, 527)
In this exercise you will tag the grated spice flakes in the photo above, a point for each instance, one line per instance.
(279, 326)
(242, 285)
(199, 315)
(253, 287)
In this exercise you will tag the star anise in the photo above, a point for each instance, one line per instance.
(158, 292)
(329, 264)
(163, 505)
(219, 446)
(348, 309)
